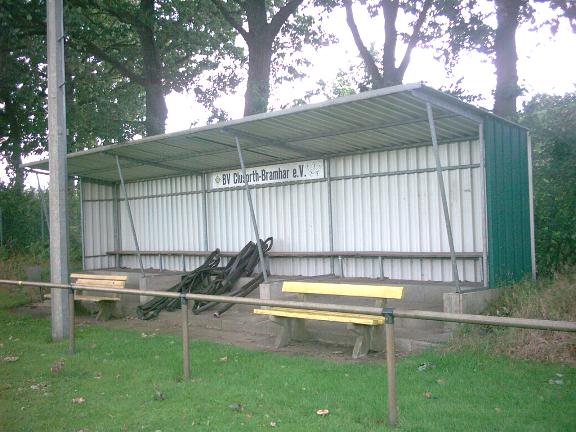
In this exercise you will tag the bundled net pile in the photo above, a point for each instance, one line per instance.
(209, 278)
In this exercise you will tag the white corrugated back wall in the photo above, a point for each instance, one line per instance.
(385, 201)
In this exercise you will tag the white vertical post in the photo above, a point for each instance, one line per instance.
(60, 321)
(80, 187)
(330, 216)
(531, 204)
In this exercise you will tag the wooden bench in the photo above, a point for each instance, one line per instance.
(292, 321)
(105, 303)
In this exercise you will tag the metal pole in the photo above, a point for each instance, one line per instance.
(71, 336)
(117, 227)
(531, 208)
(82, 233)
(42, 214)
(252, 215)
(485, 277)
(60, 321)
(205, 210)
(566, 326)
(391, 368)
(185, 339)
(455, 276)
(130, 215)
(330, 216)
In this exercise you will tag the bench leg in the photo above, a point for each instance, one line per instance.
(105, 309)
(363, 338)
(299, 331)
(284, 332)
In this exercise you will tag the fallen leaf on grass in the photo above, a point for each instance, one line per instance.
(425, 366)
(223, 359)
(440, 381)
(158, 395)
(57, 366)
(39, 386)
(322, 412)
(236, 407)
(10, 358)
(78, 400)
(272, 424)
(428, 394)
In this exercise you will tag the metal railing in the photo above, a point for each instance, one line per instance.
(388, 313)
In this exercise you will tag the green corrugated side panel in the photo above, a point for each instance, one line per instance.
(507, 202)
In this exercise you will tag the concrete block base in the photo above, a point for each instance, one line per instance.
(469, 302)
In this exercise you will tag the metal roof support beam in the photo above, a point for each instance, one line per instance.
(276, 143)
(150, 163)
(130, 215)
(451, 107)
(252, 215)
(455, 276)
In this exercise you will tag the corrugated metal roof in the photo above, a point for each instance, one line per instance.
(375, 120)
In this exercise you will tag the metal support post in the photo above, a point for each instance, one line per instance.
(185, 339)
(82, 234)
(341, 263)
(117, 227)
(71, 336)
(252, 215)
(43, 210)
(205, 210)
(390, 366)
(330, 216)
(531, 208)
(130, 215)
(485, 277)
(455, 277)
(60, 321)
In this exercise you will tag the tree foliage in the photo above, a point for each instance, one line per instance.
(22, 88)
(551, 119)
(155, 47)
(428, 22)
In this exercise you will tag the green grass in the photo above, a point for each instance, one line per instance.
(119, 373)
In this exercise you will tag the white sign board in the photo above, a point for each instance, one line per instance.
(308, 170)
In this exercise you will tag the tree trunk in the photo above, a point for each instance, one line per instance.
(156, 110)
(258, 86)
(507, 89)
(389, 69)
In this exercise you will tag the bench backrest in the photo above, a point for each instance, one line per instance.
(352, 290)
(109, 281)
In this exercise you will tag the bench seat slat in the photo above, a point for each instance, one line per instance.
(88, 298)
(100, 283)
(98, 276)
(374, 291)
(322, 316)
